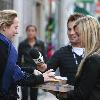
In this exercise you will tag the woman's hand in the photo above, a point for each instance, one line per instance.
(49, 75)
(42, 67)
(36, 72)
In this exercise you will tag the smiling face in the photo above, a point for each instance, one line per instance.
(73, 37)
(11, 31)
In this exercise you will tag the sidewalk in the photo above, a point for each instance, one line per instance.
(46, 96)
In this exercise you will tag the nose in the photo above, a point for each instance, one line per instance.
(72, 32)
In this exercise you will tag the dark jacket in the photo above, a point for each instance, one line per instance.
(10, 73)
(87, 86)
(64, 59)
(24, 58)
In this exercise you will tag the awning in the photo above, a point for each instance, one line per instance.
(85, 1)
(81, 10)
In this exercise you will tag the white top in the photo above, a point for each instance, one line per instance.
(79, 51)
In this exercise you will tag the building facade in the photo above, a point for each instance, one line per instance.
(29, 12)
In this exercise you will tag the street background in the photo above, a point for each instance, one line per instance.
(50, 17)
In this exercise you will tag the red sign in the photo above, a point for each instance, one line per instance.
(98, 7)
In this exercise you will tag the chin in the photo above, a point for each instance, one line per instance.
(73, 42)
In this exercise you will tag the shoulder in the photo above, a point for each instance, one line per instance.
(94, 57)
(4, 40)
(22, 43)
(93, 61)
(40, 42)
(4, 48)
(64, 49)
(4, 44)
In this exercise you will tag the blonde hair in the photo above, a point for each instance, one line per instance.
(6, 18)
(89, 31)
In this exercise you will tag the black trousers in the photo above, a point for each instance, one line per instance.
(33, 93)
(64, 99)
(8, 98)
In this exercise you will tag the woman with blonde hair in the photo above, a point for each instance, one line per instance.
(10, 73)
(87, 85)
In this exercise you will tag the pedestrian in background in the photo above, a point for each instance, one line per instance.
(25, 60)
